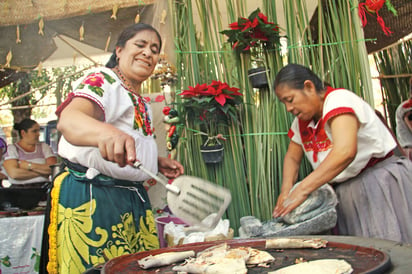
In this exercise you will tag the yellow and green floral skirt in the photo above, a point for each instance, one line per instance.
(93, 221)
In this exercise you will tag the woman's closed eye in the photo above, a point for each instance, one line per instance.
(154, 49)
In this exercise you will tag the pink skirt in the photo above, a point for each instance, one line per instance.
(378, 202)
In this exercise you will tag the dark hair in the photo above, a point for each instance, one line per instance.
(127, 34)
(25, 125)
(295, 75)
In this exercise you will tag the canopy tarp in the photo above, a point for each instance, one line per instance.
(35, 23)
(27, 28)
(19, 12)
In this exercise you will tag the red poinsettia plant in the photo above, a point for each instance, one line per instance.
(254, 31)
(211, 104)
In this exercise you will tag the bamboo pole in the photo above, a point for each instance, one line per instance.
(402, 75)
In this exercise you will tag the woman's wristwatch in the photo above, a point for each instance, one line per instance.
(29, 166)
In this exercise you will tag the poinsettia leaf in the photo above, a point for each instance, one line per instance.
(254, 14)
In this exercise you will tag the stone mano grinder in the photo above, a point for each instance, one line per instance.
(193, 199)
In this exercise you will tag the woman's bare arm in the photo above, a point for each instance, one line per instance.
(291, 164)
(82, 123)
(344, 135)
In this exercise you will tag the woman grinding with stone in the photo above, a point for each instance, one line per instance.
(100, 209)
(349, 148)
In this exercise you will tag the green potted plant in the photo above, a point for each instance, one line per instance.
(211, 106)
(254, 35)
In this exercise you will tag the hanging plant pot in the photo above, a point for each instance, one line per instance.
(212, 154)
(257, 77)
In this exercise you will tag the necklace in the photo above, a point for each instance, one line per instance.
(125, 82)
(141, 116)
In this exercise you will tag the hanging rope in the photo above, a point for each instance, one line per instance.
(404, 75)
(288, 47)
(224, 137)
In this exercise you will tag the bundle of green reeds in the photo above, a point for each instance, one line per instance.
(395, 67)
(257, 141)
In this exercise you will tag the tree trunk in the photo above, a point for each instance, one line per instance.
(19, 111)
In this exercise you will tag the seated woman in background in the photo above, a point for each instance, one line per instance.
(27, 162)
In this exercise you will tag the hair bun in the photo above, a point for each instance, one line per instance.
(16, 126)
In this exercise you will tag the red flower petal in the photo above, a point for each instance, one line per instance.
(221, 99)
(263, 17)
(166, 110)
(234, 26)
(95, 79)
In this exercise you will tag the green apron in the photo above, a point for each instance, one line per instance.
(93, 221)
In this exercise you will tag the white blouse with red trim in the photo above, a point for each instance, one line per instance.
(374, 139)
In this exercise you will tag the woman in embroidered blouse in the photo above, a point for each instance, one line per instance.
(28, 161)
(106, 125)
(348, 147)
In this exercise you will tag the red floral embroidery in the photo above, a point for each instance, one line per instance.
(138, 119)
(141, 115)
(160, 98)
(315, 140)
(142, 107)
(95, 79)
